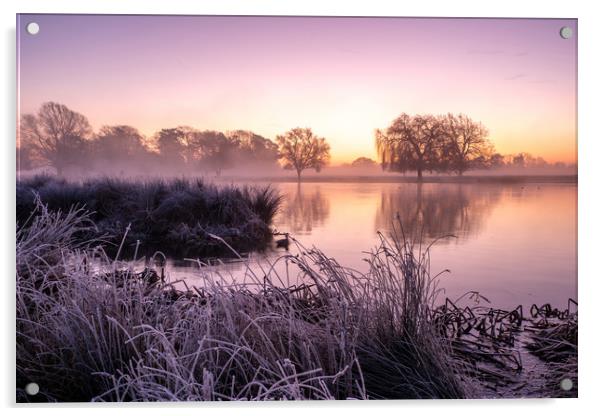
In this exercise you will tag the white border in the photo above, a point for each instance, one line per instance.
(590, 152)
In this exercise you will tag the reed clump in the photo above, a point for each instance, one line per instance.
(553, 338)
(175, 216)
(90, 328)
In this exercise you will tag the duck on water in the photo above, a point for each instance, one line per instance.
(282, 242)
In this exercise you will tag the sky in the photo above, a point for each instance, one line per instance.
(342, 77)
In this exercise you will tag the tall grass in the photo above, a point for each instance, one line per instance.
(342, 334)
(175, 215)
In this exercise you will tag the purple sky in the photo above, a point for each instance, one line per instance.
(343, 77)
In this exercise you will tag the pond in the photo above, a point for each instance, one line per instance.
(513, 243)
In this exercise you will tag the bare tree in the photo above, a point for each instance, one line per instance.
(411, 143)
(172, 145)
(496, 160)
(56, 134)
(253, 149)
(301, 149)
(122, 147)
(119, 142)
(521, 160)
(466, 143)
(213, 150)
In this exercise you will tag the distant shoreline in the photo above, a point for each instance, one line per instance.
(408, 179)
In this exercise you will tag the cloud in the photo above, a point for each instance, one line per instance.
(543, 81)
(485, 52)
(515, 77)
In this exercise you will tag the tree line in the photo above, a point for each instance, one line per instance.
(62, 138)
(444, 144)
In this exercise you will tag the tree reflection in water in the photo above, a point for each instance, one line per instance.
(431, 211)
(303, 210)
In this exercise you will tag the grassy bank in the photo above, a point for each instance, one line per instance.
(175, 216)
(113, 334)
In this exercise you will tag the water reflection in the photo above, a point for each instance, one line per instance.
(303, 210)
(516, 242)
(430, 211)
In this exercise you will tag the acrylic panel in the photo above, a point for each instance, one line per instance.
(295, 208)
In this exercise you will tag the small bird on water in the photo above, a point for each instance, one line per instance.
(283, 242)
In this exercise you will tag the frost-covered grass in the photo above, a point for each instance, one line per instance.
(84, 335)
(175, 215)
(556, 344)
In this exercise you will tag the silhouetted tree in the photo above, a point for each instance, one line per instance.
(452, 143)
(496, 161)
(172, 145)
(526, 160)
(363, 162)
(56, 134)
(301, 149)
(213, 150)
(120, 146)
(254, 149)
(465, 143)
(539, 162)
(411, 143)
(519, 160)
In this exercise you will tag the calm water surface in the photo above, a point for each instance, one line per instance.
(515, 244)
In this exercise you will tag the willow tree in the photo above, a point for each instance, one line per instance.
(466, 144)
(411, 143)
(301, 149)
